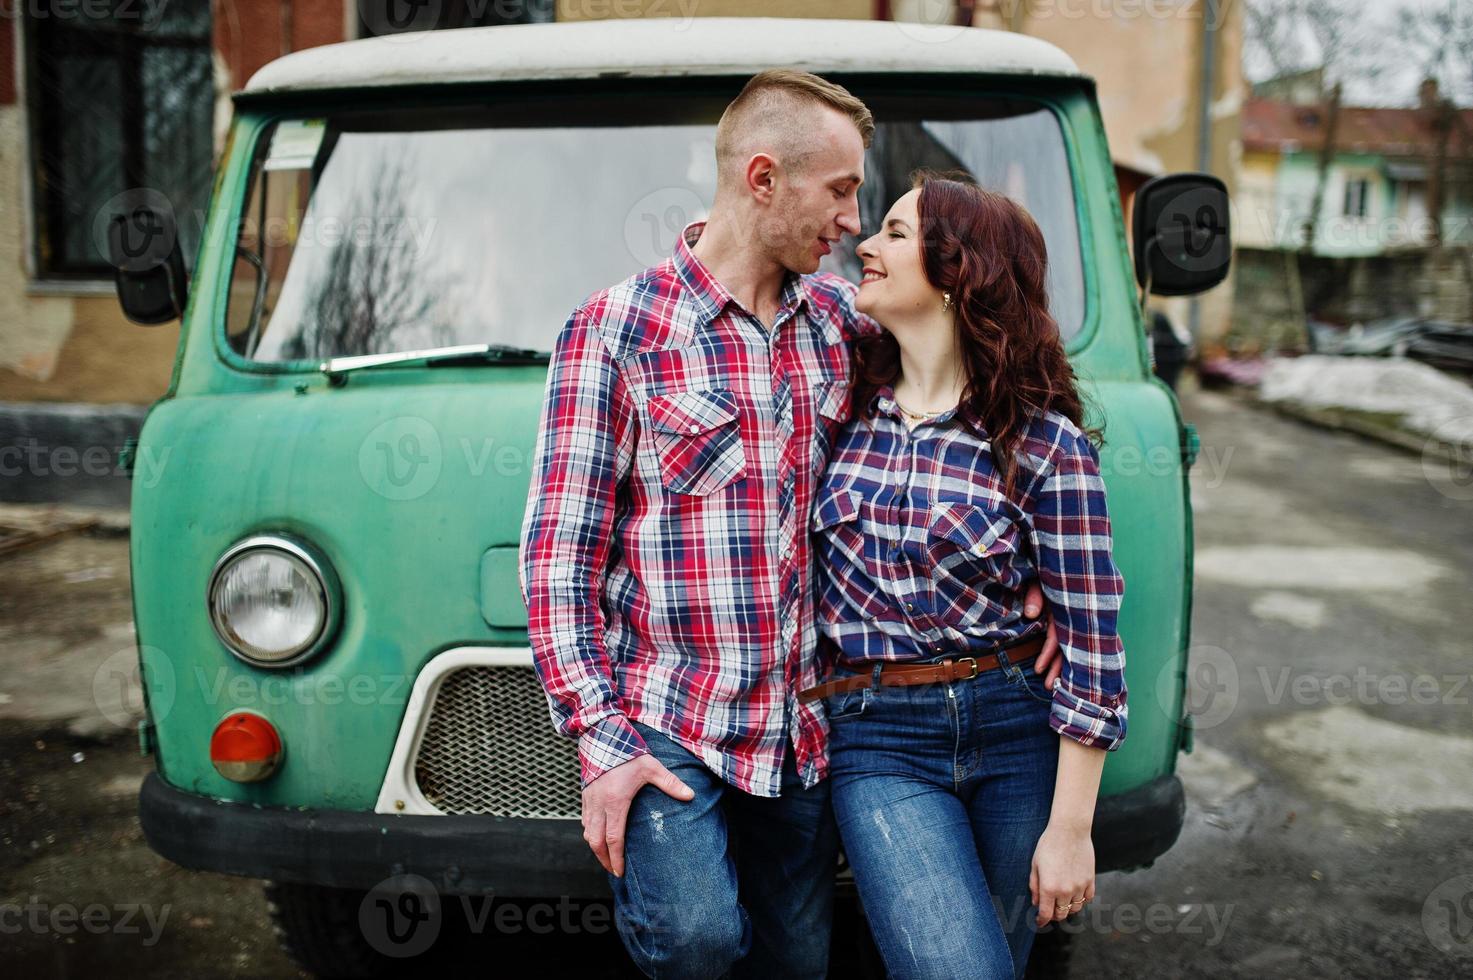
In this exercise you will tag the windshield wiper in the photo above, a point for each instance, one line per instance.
(338, 368)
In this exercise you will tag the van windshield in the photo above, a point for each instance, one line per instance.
(405, 229)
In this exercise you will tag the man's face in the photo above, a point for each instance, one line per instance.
(814, 204)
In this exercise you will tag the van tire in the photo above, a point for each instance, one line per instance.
(318, 928)
(1050, 956)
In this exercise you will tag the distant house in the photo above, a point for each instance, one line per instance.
(1378, 184)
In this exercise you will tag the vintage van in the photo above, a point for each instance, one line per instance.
(340, 697)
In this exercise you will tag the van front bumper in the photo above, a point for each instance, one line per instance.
(516, 858)
(520, 858)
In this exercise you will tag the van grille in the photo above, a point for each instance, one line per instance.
(490, 747)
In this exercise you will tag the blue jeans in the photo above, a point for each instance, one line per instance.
(941, 793)
(729, 881)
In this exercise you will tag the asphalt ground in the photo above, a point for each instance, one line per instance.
(1329, 794)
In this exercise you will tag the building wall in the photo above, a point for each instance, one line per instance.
(1435, 283)
(69, 342)
(1256, 222)
(1147, 56)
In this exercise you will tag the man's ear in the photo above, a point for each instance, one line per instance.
(761, 177)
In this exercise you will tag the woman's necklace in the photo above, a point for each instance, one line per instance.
(917, 416)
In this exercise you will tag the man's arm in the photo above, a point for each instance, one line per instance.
(585, 448)
(583, 453)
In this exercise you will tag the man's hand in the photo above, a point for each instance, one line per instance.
(606, 803)
(1048, 658)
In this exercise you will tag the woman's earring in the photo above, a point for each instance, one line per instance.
(945, 302)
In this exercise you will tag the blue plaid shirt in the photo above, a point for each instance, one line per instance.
(921, 556)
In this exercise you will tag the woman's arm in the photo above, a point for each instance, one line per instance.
(1064, 860)
(1084, 589)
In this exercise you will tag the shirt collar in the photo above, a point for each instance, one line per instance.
(709, 295)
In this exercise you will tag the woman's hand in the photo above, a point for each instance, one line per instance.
(1063, 878)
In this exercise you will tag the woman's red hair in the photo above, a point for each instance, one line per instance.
(988, 252)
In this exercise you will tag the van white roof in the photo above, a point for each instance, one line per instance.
(657, 47)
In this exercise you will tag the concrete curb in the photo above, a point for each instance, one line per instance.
(100, 521)
(1371, 427)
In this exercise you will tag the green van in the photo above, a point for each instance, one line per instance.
(340, 696)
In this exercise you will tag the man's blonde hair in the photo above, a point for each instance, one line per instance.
(764, 112)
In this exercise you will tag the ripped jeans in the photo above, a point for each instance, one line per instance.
(729, 881)
(941, 792)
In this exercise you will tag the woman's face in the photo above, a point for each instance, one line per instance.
(894, 285)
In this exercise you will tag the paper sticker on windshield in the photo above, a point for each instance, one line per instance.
(294, 144)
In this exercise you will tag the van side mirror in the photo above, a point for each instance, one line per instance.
(1180, 230)
(143, 246)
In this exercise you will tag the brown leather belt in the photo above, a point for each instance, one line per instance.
(943, 672)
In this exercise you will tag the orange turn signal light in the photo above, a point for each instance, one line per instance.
(245, 748)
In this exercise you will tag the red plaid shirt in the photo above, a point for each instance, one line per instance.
(665, 558)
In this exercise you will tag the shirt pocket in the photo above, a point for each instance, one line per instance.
(831, 408)
(835, 508)
(698, 439)
(832, 398)
(966, 538)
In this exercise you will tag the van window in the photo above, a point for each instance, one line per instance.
(412, 228)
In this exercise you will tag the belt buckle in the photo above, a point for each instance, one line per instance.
(973, 662)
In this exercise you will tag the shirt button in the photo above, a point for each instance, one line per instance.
(695, 428)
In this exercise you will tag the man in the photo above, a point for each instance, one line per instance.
(665, 559)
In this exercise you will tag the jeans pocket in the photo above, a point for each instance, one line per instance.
(849, 704)
(1030, 682)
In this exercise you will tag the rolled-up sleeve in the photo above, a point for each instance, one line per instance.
(1083, 588)
(583, 453)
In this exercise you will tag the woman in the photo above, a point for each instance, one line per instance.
(963, 788)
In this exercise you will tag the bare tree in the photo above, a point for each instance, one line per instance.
(377, 294)
(1439, 41)
(1334, 38)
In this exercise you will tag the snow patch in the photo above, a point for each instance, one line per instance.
(1286, 607)
(1428, 400)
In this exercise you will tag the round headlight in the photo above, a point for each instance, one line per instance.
(273, 601)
